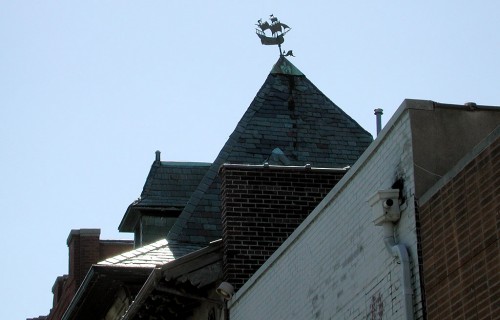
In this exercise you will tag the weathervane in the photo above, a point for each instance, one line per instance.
(278, 31)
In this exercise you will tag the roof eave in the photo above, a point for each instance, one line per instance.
(129, 220)
(178, 266)
(93, 276)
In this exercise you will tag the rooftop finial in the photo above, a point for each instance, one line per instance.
(158, 153)
(278, 31)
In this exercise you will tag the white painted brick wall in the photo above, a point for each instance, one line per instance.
(335, 266)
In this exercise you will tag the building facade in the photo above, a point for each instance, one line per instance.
(289, 123)
(307, 218)
(346, 261)
(85, 249)
(460, 232)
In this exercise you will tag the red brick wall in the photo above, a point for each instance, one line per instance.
(460, 231)
(261, 207)
(85, 249)
(111, 248)
(83, 252)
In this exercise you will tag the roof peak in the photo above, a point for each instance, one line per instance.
(284, 66)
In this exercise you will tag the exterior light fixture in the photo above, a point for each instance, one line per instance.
(385, 206)
(225, 290)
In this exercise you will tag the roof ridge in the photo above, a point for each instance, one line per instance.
(212, 172)
(147, 185)
(339, 108)
(184, 163)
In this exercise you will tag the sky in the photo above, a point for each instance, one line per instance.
(89, 90)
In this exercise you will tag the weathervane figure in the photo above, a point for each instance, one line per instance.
(278, 31)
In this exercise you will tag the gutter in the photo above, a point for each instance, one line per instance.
(94, 276)
(87, 281)
(161, 272)
(153, 279)
(306, 167)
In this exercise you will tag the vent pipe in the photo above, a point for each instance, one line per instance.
(378, 115)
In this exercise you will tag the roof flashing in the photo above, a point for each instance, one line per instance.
(305, 167)
(283, 66)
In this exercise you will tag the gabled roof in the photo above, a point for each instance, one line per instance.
(174, 289)
(169, 186)
(146, 273)
(288, 113)
(99, 290)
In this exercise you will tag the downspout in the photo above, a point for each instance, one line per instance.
(400, 252)
(386, 212)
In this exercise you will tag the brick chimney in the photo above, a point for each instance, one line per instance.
(83, 247)
(261, 207)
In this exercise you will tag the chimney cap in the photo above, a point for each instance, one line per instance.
(83, 233)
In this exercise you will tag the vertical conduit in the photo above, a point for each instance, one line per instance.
(400, 252)
(386, 212)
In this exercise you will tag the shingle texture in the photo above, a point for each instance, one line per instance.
(168, 185)
(288, 113)
(152, 255)
(171, 183)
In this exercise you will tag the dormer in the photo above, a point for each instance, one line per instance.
(168, 187)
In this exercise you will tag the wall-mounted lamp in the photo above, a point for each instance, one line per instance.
(385, 206)
(225, 290)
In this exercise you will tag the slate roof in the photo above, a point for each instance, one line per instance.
(169, 185)
(288, 113)
(152, 255)
(191, 274)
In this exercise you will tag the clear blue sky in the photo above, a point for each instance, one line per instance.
(90, 89)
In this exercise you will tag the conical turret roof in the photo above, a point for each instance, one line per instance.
(288, 113)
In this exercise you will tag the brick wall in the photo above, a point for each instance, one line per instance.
(460, 230)
(111, 248)
(261, 207)
(335, 265)
(85, 249)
